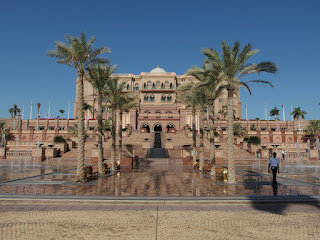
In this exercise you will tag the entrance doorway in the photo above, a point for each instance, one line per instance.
(145, 127)
(157, 128)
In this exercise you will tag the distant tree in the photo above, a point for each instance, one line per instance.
(38, 114)
(238, 130)
(313, 128)
(275, 112)
(297, 113)
(62, 112)
(125, 103)
(14, 111)
(3, 130)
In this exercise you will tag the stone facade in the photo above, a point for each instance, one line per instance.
(157, 105)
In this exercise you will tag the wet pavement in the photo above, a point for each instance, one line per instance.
(159, 180)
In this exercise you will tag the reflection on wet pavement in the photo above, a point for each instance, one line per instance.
(158, 180)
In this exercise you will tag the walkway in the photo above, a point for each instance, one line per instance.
(139, 221)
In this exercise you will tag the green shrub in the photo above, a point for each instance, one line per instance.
(254, 140)
(59, 139)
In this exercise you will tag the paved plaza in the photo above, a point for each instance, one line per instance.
(159, 221)
(159, 202)
(160, 180)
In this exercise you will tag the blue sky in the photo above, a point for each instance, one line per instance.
(143, 34)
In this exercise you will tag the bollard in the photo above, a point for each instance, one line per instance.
(225, 174)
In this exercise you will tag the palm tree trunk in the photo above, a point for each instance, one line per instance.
(201, 139)
(81, 137)
(120, 136)
(100, 147)
(62, 122)
(212, 146)
(38, 120)
(230, 147)
(194, 135)
(113, 139)
(277, 124)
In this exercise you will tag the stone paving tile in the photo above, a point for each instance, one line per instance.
(165, 181)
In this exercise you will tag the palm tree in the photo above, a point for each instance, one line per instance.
(189, 95)
(126, 102)
(4, 131)
(297, 113)
(313, 128)
(238, 130)
(79, 54)
(62, 112)
(112, 95)
(223, 112)
(233, 67)
(99, 75)
(86, 107)
(38, 114)
(14, 111)
(275, 112)
(208, 87)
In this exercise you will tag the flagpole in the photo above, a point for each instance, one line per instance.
(68, 109)
(49, 110)
(291, 115)
(31, 111)
(246, 111)
(22, 112)
(284, 117)
(265, 111)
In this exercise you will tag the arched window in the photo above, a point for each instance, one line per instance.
(136, 86)
(153, 85)
(144, 85)
(146, 98)
(166, 84)
(162, 85)
(149, 84)
(151, 98)
(128, 86)
(157, 84)
(169, 98)
(171, 86)
(163, 98)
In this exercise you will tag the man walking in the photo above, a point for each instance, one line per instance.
(274, 166)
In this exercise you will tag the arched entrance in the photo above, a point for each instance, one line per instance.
(157, 127)
(170, 128)
(145, 128)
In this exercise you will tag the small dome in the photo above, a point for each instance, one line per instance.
(158, 70)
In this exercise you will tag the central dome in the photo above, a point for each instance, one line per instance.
(158, 70)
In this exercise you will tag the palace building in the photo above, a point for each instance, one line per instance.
(158, 108)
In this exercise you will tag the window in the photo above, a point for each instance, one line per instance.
(128, 86)
(144, 85)
(158, 84)
(153, 85)
(163, 98)
(166, 84)
(162, 85)
(152, 98)
(136, 86)
(149, 84)
(171, 85)
(169, 98)
(146, 98)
